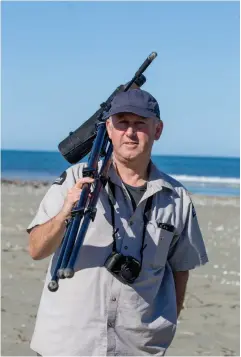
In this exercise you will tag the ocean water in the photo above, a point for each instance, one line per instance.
(202, 175)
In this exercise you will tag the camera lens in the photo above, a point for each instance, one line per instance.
(126, 272)
(130, 270)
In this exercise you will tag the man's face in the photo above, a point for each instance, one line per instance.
(132, 136)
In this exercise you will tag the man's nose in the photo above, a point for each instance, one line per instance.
(130, 131)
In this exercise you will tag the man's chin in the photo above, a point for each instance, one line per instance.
(130, 156)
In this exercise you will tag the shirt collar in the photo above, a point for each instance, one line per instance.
(156, 181)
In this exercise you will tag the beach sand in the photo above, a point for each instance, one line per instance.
(209, 323)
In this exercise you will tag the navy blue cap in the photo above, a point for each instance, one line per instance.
(136, 101)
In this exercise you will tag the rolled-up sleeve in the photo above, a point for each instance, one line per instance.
(189, 249)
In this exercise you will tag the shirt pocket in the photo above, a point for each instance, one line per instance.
(158, 245)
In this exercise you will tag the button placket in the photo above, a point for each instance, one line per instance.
(112, 312)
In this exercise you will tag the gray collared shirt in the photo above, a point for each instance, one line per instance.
(94, 314)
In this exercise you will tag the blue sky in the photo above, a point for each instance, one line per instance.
(60, 60)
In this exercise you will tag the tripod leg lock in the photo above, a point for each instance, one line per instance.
(91, 212)
(88, 172)
(79, 211)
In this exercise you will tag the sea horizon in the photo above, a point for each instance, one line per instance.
(153, 154)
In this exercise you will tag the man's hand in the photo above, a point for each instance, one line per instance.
(73, 196)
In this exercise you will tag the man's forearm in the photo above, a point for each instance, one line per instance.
(46, 238)
(181, 279)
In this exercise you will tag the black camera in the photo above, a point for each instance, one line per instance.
(125, 268)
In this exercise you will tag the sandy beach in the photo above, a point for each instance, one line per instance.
(209, 323)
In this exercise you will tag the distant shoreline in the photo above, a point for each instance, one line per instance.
(19, 182)
(45, 183)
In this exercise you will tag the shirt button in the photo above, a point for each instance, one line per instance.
(125, 247)
(113, 299)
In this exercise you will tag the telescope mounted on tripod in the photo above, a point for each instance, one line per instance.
(90, 138)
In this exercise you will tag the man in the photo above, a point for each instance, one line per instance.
(141, 213)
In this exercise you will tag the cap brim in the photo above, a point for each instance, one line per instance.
(131, 109)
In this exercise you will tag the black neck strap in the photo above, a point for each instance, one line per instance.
(148, 206)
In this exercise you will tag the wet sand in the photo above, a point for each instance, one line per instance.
(209, 323)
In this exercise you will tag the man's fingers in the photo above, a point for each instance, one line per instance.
(80, 182)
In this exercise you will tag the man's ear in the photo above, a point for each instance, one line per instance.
(108, 124)
(159, 128)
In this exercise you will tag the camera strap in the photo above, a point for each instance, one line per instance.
(148, 206)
